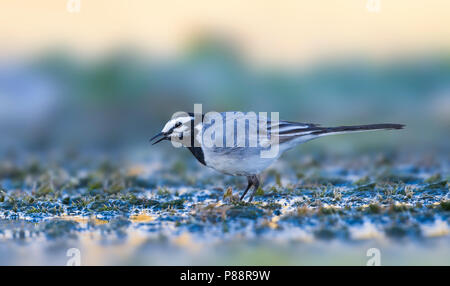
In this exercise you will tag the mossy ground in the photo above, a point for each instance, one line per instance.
(144, 211)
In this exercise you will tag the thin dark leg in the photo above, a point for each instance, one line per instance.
(250, 183)
(256, 184)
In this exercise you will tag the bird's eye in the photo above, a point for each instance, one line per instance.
(178, 124)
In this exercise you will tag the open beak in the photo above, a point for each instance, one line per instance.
(162, 136)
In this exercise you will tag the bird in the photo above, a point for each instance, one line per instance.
(240, 157)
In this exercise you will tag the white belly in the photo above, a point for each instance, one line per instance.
(237, 163)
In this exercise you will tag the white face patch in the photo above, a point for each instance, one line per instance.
(177, 131)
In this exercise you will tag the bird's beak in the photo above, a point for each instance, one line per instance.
(162, 135)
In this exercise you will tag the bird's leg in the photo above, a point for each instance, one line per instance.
(250, 183)
(256, 184)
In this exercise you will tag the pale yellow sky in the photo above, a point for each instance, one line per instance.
(268, 31)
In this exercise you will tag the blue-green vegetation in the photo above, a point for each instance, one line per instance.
(146, 208)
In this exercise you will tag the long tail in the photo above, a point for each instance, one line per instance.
(356, 128)
(303, 132)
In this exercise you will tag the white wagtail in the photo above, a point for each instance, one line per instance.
(208, 138)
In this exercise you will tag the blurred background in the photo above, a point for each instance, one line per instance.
(85, 84)
(105, 75)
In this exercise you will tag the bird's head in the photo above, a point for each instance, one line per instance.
(177, 129)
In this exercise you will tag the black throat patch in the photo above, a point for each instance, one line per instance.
(198, 154)
(196, 151)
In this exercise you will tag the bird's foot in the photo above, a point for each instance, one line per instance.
(252, 181)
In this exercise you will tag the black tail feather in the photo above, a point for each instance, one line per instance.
(324, 130)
